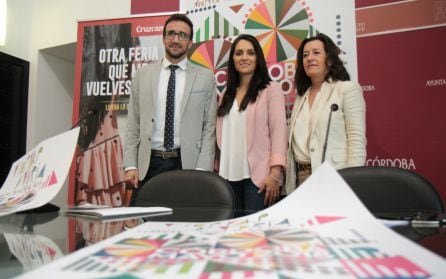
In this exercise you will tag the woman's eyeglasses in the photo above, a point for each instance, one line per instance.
(182, 36)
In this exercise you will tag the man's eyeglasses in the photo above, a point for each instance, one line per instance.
(182, 36)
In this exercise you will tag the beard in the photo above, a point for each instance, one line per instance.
(174, 54)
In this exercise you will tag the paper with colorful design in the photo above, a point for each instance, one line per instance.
(320, 231)
(32, 250)
(37, 177)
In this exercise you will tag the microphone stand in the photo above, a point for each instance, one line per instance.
(333, 107)
(90, 113)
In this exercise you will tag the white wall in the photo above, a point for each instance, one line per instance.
(18, 34)
(36, 25)
(54, 23)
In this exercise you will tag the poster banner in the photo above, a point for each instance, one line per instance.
(108, 54)
(110, 51)
(306, 235)
(401, 70)
(279, 25)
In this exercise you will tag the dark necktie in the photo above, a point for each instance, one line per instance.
(170, 110)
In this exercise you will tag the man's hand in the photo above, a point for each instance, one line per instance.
(131, 176)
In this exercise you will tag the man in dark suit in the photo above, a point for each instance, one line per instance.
(172, 111)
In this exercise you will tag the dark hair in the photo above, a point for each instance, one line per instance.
(336, 69)
(259, 80)
(179, 17)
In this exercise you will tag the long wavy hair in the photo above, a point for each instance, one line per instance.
(335, 66)
(258, 82)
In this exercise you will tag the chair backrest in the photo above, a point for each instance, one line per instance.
(389, 191)
(203, 195)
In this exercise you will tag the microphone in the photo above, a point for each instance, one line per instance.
(333, 107)
(90, 113)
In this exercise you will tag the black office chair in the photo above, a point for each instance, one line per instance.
(395, 193)
(194, 195)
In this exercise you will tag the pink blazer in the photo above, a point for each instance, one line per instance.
(266, 132)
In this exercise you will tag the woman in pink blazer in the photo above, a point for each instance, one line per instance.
(251, 128)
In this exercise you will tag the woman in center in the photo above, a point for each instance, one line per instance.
(251, 128)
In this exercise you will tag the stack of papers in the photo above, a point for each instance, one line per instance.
(116, 212)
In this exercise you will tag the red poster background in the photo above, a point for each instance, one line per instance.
(105, 47)
(151, 6)
(401, 66)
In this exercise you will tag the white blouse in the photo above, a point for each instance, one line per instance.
(234, 154)
(302, 129)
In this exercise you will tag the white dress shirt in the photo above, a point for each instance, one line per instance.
(160, 109)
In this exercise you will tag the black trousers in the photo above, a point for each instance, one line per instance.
(157, 166)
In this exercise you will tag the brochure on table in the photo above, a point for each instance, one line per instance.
(321, 230)
(116, 213)
(36, 178)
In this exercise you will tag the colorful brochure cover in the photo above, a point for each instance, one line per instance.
(36, 178)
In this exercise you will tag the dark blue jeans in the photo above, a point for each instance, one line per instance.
(247, 196)
(157, 166)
